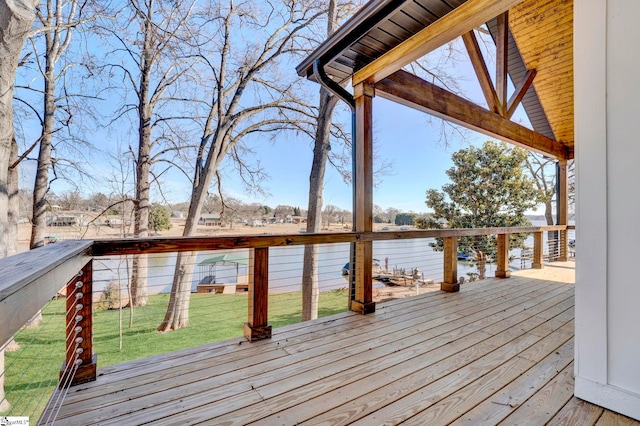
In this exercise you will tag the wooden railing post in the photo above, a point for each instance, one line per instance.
(363, 302)
(450, 280)
(502, 270)
(79, 320)
(538, 250)
(257, 328)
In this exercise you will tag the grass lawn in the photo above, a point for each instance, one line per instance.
(31, 373)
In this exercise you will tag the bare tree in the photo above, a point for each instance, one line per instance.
(322, 147)
(282, 211)
(321, 152)
(149, 41)
(16, 18)
(543, 171)
(53, 104)
(249, 97)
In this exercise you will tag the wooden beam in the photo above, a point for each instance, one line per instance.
(412, 91)
(481, 70)
(520, 91)
(459, 21)
(363, 95)
(502, 59)
(182, 244)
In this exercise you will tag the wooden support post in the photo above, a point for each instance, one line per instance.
(563, 209)
(363, 94)
(257, 328)
(450, 281)
(79, 334)
(502, 270)
(538, 250)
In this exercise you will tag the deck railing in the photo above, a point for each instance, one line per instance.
(30, 279)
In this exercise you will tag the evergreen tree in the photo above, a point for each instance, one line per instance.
(488, 189)
(159, 219)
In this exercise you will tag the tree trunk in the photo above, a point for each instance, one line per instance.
(11, 236)
(16, 19)
(177, 315)
(322, 146)
(310, 289)
(41, 184)
(481, 262)
(139, 291)
(13, 210)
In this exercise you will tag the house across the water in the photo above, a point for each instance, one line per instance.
(210, 219)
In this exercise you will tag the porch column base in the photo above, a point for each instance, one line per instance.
(84, 374)
(537, 266)
(503, 274)
(260, 332)
(363, 308)
(450, 287)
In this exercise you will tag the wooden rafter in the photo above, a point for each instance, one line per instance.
(502, 58)
(461, 20)
(520, 91)
(481, 70)
(412, 91)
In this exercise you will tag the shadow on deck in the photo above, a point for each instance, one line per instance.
(497, 351)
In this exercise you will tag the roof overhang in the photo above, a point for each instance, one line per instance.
(384, 36)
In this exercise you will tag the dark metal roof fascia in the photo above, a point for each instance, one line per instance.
(348, 33)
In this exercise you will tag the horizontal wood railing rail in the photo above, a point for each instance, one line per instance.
(178, 244)
(30, 279)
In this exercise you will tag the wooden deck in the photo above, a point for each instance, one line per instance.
(497, 352)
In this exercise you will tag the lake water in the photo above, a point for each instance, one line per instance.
(285, 265)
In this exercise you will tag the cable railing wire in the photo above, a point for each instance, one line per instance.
(415, 258)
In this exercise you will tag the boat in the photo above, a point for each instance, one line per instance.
(464, 256)
(375, 267)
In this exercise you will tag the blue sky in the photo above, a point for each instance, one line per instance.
(402, 136)
(409, 139)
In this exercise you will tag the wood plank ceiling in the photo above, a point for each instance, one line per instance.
(543, 32)
(540, 38)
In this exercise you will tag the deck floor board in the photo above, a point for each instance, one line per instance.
(498, 352)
